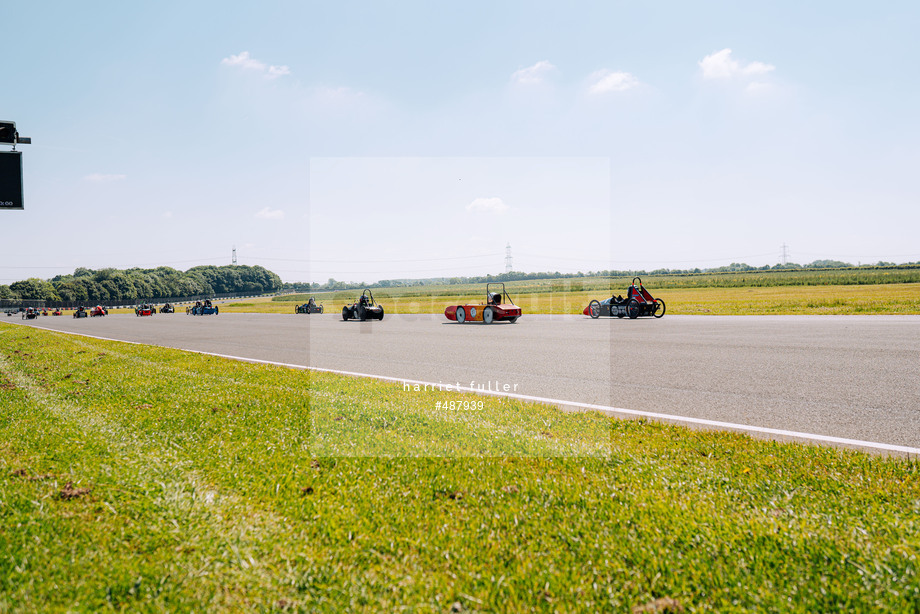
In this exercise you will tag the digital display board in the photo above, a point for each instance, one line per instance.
(11, 180)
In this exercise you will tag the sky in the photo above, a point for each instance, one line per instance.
(384, 140)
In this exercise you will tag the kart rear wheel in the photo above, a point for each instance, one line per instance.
(461, 315)
(659, 308)
(633, 309)
(487, 315)
(594, 308)
(345, 313)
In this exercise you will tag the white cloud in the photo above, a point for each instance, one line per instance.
(488, 205)
(103, 178)
(247, 62)
(167, 214)
(533, 75)
(243, 61)
(270, 214)
(277, 71)
(721, 65)
(604, 81)
(758, 68)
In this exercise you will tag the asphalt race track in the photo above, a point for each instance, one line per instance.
(854, 377)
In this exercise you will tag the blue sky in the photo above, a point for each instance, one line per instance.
(318, 138)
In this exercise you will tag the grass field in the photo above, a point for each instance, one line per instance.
(135, 478)
(876, 299)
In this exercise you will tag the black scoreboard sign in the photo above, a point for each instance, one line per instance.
(10, 180)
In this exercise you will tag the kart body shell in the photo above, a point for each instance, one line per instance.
(497, 307)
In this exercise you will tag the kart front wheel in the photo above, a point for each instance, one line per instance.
(321, 309)
(632, 309)
(659, 308)
(461, 315)
(381, 314)
(345, 313)
(594, 308)
(487, 315)
(513, 319)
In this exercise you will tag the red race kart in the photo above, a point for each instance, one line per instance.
(498, 307)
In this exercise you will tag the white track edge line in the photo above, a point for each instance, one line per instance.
(558, 402)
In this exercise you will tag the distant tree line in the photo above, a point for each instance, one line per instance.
(125, 286)
(734, 267)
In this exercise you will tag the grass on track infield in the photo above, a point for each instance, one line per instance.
(147, 479)
(874, 299)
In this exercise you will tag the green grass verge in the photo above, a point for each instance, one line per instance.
(144, 479)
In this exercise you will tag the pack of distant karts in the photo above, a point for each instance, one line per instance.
(202, 308)
(96, 312)
(497, 306)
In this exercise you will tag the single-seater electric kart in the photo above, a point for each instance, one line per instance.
(498, 306)
(57, 312)
(99, 311)
(638, 302)
(81, 312)
(309, 307)
(45, 311)
(30, 314)
(365, 308)
(167, 308)
(202, 308)
(145, 310)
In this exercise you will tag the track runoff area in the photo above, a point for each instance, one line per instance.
(849, 381)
